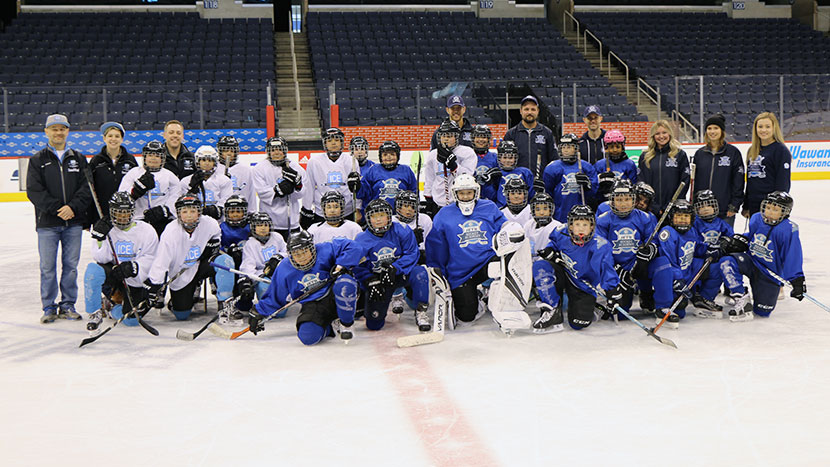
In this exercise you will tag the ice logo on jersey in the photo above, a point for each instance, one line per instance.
(391, 187)
(626, 241)
(760, 247)
(671, 162)
(755, 169)
(540, 139)
(125, 250)
(155, 192)
(235, 183)
(569, 185)
(471, 234)
(688, 254)
(268, 252)
(193, 255)
(310, 280)
(210, 197)
(723, 161)
(385, 255)
(334, 179)
(711, 237)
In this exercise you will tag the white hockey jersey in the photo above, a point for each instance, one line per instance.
(539, 237)
(255, 254)
(164, 193)
(324, 175)
(423, 221)
(218, 189)
(522, 217)
(178, 250)
(323, 232)
(242, 183)
(265, 176)
(138, 243)
(434, 182)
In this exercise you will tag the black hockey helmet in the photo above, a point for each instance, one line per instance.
(188, 201)
(781, 199)
(228, 148)
(387, 147)
(406, 198)
(359, 148)
(508, 155)
(260, 218)
(333, 197)
(542, 199)
(645, 194)
(581, 212)
(622, 190)
(122, 209)
(378, 206)
(236, 204)
(569, 140)
(449, 128)
(480, 131)
(679, 208)
(277, 150)
(703, 199)
(153, 148)
(515, 185)
(299, 242)
(334, 134)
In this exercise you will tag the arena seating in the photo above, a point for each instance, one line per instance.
(378, 59)
(716, 46)
(152, 66)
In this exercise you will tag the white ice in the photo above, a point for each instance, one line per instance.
(752, 393)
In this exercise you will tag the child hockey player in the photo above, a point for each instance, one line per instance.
(187, 247)
(515, 193)
(539, 228)
(279, 184)
(135, 243)
(334, 225)
(565, 181)
(326, 172)
(386, 179)
(235, 229)
(573, 255)
(508, 158)
(773, 244)
(392, 262)
(645, 195)
(330, 308)
(359, 149)
(459, 244)
(406, 208)
(153, 188)
(212, 188)
(260, 257)
(615, 165)
(487, 165)
(447, 161)
(710, 229)
(240, 175)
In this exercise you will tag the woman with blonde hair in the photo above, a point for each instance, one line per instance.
(767, 163)
(663, 165)
(720, 168)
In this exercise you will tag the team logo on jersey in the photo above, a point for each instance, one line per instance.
(335, 179)
(268, 252)
(626, 241)
(481, 170)
(755, 169)
(385, 255)
(467, 136)
(570, 264)
(671, 162)
(760, 247)
(540, 139)
(711, 237)
(72, 166)
(724, 161)
(391, 187)
(688, 254)
(155, 193)
(664, 235)
(235, 183)
(471, 234)
(125, 250)
(309, 281)
(569, 185)
(210, 197)
(192, 256)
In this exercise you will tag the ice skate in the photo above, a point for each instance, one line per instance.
(672, 322)
(397, 304)
(340, 329)
(742, 310)
(705, 308)
(422, 318)
(95, 320)
(550, 321)
(647, 302)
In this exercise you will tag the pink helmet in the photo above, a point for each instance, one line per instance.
(614, 136)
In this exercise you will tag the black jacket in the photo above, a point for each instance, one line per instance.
(530, 143)
(182, 166)
(664, 175)
(723, 173)
(51, 184)
(107, 176)
(466, 134)
(592, 150)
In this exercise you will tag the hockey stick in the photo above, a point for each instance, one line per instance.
(150, 329)
(683, 293)
(579, 165)
(237, 271)
(665, 213)
(783, 282)
(219, 331)
(417, 156)
(354, 194)
(692, 170)
(443, 305)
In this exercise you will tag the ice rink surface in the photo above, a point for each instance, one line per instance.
(752, 393)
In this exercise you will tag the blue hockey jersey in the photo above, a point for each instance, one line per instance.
(233, 235)
(680, 250)
(560, 183)
(625, 169)
(711, 232)
(625, 234)
(496, 191)
(591, 262)
(397, 246)
(377, 182)
(777, 248)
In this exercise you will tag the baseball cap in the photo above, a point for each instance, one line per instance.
(106, 126)
(591, 109)
(56, 119)
(455, 100)
(529, 98)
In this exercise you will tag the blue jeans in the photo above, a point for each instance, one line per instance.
(69, 239)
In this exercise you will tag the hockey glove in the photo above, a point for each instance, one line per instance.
(195, 182)
(124, 270)
(255, 321)
(647, 252)
(678, 287)
(375, 289)
(153, 292)
(292, 176)
(713, 252)
(538, 185)
(142, 185)
(452, 162)
(430, 207)
(235, 252)
(101, 229)
(283, 188)
(211, 210)
(583, 181)
(211, 249)
(386, 274)
(488, 175)
(613, 297)
(799, 288)
(271, 265)
(353, 180)
(551, 255)
(306, 218)
(735, 244)
(245, 286)
(442, 154)
(606, 181)
(419, 235)
(626, 278)
(157, 215)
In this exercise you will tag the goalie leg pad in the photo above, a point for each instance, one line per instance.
(225, 280)
(94, 278)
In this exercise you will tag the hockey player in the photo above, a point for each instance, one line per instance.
(153, 188)
(327, 309)
(188, 246)
(359, 149)
(241, 175)
(487, 166)
(573, 255)
(710, 229)
(680, 243)
(460, 244)
(645, 195)
(392, 262)
(386, 179)
(326, 172)
(260, 257)
(515, 193)
(135, 243)
(406, 208)
(539, 228)
(626, 229)
(279, 182)
(235, 228)
(447, 161)
(615, 165)
(565, 181)
(211, 187)
(773, 244)
(334, 225)
(507, 158)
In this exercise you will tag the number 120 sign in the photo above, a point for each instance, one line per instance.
(485, 4)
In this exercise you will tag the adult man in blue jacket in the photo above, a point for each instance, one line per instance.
(533, 139)
(56, 185)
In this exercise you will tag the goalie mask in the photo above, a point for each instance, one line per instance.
(508, 156)
(122, 209)
(706, 205)
(406, 205)
(776, 207)
(228, 148)
(465, 192)
(333, 205)
(206, 159)
(481, 135)
(569, 148)
(581, 224)
(236, 211)
(333, 143)
(359, 149)
(277, 151)
(188, 211)
(389, 155)
(261, 226)
(154, 156)
(378, 217)
(301, 250)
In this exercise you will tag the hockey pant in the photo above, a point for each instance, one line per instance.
(182, 299)
(465, 297)
(657, 283)
(314, 321)
(708, 284)
(764, 290)
(97, 280)
(417, 280)
(553, 283)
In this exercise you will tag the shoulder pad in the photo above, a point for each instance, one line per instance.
(664, 235)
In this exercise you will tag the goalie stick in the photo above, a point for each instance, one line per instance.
(443, 305)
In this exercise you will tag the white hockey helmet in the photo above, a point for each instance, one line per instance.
(463, 182)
